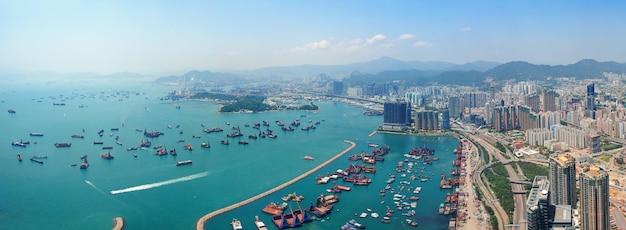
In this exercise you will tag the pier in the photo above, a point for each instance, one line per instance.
(205, 218)
(118, 223)
(372, 134)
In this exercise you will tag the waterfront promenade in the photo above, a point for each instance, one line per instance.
(205, 218)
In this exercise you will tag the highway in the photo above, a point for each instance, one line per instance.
(519, 214)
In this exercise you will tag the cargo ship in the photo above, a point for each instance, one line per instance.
(183, 162)
(107, 156)
(85, 163)
(36, 160)
(63, 144)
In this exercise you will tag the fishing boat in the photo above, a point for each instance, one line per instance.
(19, 157)
(173, 152)
(205, 145)
(77, 136)
(11, 111)
(236, 224)
(36, 134)
(225, 142)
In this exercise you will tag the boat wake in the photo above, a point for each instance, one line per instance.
(159, 184)
(94, 186)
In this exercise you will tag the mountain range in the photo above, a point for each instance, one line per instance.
(387, 69)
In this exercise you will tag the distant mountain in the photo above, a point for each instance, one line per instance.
(481, 66)
(586, 68)
(205, 78)
(517, 70)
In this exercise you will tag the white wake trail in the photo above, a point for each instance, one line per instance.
(159, 184)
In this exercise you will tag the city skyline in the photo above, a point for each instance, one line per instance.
(163, 37)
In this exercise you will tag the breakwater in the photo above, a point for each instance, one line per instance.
(200, 223)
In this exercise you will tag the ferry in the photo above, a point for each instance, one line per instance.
(236, 224)
(183, 162)
(259, 224)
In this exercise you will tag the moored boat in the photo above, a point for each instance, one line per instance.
(236, 224)
(259, 224)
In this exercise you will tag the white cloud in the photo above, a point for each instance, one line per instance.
(323, 44)
(376, 38)
(465, 29)
(406, 36)
(421, 44)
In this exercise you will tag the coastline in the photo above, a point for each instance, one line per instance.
(200, 223)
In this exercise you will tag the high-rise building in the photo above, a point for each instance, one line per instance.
(594, 199)
(505, 118)
(397, 115)
(427, 120)
(338, 87)
(445, 120)
(454, 107)
(590, 105)
(538, 205)
(548, 99)
(563, 180)
(533, 101)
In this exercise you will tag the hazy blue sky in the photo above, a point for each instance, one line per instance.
(156, 37)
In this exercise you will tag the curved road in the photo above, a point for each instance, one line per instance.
(205, 218)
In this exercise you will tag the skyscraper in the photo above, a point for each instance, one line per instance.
(590, 105)
(454, 107)
(594, 199)
(563, 180)
(397, 115)
(538, 206)
(548, 100)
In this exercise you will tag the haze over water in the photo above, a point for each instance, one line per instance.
(149, 191)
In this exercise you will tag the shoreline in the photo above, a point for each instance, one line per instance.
(200, 223)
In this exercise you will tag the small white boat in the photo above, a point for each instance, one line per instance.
(363, 215)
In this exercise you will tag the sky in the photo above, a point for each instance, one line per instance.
(158, 37)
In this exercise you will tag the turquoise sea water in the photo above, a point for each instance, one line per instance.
(56, 195)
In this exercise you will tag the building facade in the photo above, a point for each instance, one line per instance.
(563, 180)
(594, 199)
(538, 205)
(397, 115)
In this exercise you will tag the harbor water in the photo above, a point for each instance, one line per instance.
(151, 192)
